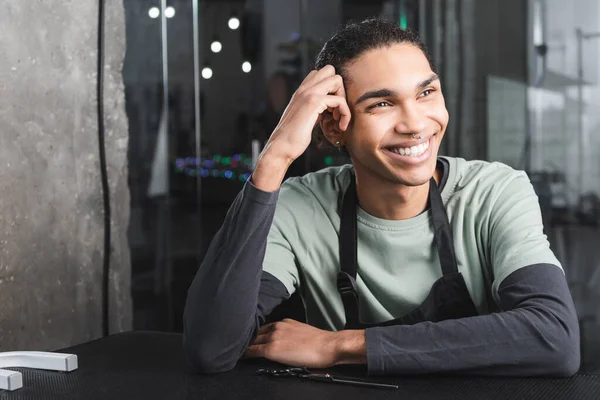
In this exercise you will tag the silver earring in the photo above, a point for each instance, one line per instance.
(337, 144)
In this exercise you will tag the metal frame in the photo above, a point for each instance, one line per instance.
(581, 36)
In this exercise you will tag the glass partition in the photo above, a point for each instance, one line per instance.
(207, 81)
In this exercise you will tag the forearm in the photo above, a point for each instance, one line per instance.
(220, 317)
(508, 343)
(270, 169)
(538, 336)
(350, 347)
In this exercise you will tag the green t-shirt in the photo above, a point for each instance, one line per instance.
(495, 219)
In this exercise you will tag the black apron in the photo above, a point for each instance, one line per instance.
(448, 298)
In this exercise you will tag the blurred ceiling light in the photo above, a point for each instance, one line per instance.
(154, 12)
(246, 67)
(216, 46)
(233, 23)
(207, 72)
(169, 12)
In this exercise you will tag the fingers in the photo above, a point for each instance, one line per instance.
(262, 339)
(274, 325)
(325, 82)
(317, 75)
(255, 351)
(336, 114)
(266, 328)
(333, 84)
(340, 106)
(257, 348)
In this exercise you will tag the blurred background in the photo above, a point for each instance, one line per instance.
(204, 82)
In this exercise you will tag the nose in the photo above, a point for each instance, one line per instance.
(411, 120)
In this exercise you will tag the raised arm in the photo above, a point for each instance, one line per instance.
(221, 313)
(230, 294)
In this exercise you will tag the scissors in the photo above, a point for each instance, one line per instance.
(304, 373)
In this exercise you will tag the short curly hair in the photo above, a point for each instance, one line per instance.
(355, 39)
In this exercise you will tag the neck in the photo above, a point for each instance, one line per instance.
(388, 201)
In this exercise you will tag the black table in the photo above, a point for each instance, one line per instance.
(150, 365)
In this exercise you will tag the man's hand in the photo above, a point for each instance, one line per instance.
(321, 91)
(295, 343)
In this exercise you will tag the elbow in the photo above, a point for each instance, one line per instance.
(202, 351)
(204, 364)
(201, 346)
(209, 347)
(566, 362)
(205, 359)
(564, 357)
(206, 351)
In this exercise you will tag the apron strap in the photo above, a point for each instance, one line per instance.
(346, 286)
(348, 229)
(346, 278)
(442, 231)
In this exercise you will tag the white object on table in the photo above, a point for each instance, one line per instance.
(12, 380)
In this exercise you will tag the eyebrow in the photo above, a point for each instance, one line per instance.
(390, 93)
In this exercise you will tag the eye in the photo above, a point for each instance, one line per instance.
(426, 92)
(380, 104)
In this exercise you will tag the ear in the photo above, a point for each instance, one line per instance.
(331, 128)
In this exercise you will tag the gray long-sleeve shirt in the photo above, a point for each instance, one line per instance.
(536, 333)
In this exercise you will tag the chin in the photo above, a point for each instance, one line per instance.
(416, 175)
(412, 180)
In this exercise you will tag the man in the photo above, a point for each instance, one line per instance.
(407, 262)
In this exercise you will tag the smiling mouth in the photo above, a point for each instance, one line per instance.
(413, 151)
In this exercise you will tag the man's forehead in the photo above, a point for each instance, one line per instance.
(406, 81)
(398, 65)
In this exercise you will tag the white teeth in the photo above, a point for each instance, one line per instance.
(413, 151)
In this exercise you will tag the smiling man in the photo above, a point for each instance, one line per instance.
(406, 261)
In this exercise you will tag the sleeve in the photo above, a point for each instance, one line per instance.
(230, 294)
(537, 334)
(516, 235)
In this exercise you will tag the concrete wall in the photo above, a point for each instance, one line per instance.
(51, 215)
